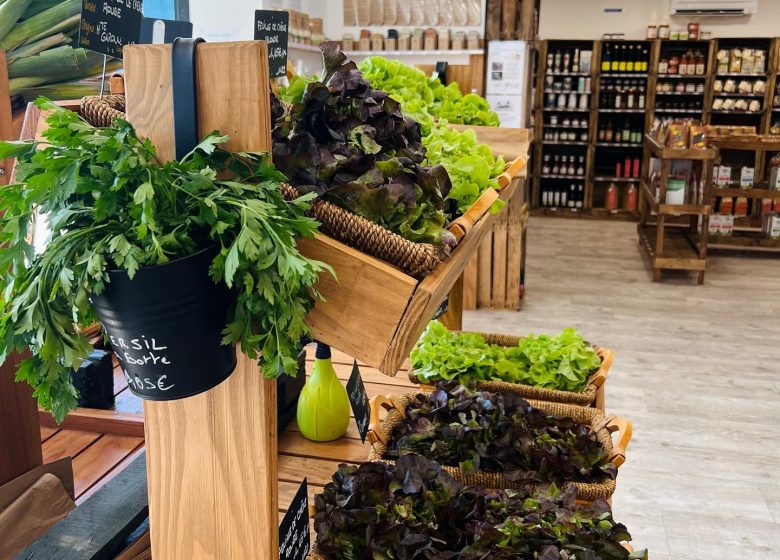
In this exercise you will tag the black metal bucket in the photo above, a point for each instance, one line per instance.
(165, 327)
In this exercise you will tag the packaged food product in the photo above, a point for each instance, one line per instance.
(744, 86)
(698, 134)
(766, 205)
(460, 12)
(717, 85)
(739, 105)
(693, 31)
(722, 57)
(735, 61)
(474, 12)
(652, 32)
(759, 86)
(363, 8)
(348, 42)
(754, 106)
(730, 86)
(726, 205)
(729, 104)
(748, 58)
(759, 64)
(677, 136)
(445, 12)
(390, 12)
(417, 13)
(717, 104)
(741, 206)
(350, 13)
(403, 15)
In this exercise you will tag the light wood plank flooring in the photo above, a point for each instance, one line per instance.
(697, 371)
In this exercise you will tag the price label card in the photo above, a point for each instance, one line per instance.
(271, 26)
(294, 535)
(106, 26)
(359, 400)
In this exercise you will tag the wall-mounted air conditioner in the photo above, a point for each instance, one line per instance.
(713, 7)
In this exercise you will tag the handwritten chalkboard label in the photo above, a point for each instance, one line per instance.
(271, 26)
(294, 536)
(142, 351)
(106, 26)
(163, 31)
(359, 400)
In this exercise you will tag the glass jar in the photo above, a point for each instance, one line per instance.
(652, 32)
(693, 31)
(554, 119)
(674, 64)
(663, 31)
(663, 66)
(680, 88)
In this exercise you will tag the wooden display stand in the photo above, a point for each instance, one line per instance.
(211, 458)
(747, 235)
(669, 246)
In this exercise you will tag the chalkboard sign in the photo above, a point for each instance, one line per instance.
(271, 26)
(163, 31)
(294, 536)
(359, 400)
(106, 26)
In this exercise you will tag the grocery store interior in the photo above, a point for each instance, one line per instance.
(477, 279)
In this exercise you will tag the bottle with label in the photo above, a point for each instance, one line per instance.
(571, 170)
(580, 196)
(557, 62)
(575, 63)
(699, 63)
(622, 59)
(683, 68)
(572, 195)
(581, 166)
(546, 165)
(663, 66)
(630, 59)
(627, 167)
(626, 133)
(557, 198)
(606, 58)
(545, 197)
(618, 101)
(555, 166)
(550, 62)
(566, 61)
(609, 135)
(615, 63)
(631, 198)
(612, 196)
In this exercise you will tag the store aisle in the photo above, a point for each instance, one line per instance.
(696, 371)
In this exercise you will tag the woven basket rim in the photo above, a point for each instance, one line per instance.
(585, 398)
(585, 490)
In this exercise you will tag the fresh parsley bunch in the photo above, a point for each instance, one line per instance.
(112, 204)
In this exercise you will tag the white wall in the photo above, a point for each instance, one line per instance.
(586, 19)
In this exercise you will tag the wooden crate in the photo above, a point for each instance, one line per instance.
(495, 276)
(511, 19)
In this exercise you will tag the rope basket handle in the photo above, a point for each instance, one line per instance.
(377, 402)
(511, 170)
(462, 225)
(625, 430)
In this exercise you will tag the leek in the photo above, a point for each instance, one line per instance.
(60, 91)
(44, 22)
(56, 40)
(37, 6)
(10, 12)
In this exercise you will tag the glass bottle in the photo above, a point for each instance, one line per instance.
(564, 192)
(631, 198)
(545, 197)
(622, 59)
(555, 166)
(606, 58)
(611, 198)
(699, 63)
(546, 165)
(626, 134)
(580, 196)
(581, 166)
(630, 59)
(566, 62)
(602, 135)
(571, 170)
(575, 63)
(615, 63)
(609, 134)
(550, 62)
(557, 63)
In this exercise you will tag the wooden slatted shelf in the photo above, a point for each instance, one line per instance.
(663, 152)
(673, 209)
(679, 252)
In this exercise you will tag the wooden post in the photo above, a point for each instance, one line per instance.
(453, 318)
(527, 31)
(20, 433)
(211, 458)
(6, 122)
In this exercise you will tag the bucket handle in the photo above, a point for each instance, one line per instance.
(185, 102)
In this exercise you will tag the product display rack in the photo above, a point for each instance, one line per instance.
(747, 233)
(550, 120)
(672, 245)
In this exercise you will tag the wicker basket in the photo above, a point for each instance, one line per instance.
(380, 432)
(592, 395)
(415, 259)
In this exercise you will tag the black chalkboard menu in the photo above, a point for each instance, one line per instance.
(294, 535)
(359, 400)
(271, 26)
(108, 25)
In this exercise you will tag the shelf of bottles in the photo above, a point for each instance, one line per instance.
(681, 83)
(740, 82)
(567, 93)
(620, 125)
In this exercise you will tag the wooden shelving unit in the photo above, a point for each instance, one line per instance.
(747, 234)
(675, 246)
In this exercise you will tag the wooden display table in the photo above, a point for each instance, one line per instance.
(672, 246)
(747, 234)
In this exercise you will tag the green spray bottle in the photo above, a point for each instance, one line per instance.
(323, 407)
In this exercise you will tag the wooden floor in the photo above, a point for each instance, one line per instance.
(697, 370)
(694, 372)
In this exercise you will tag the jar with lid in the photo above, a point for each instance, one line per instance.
(572, 101)
(690, 87)
(561, 101)
(652, 32)
(548, 83)
(674, 64)
(663, 66)
(550, 101)
(581, 166)
(571, 170)
(546, 165)
(567, 84)
(693, 31)
(583, 136)
(700, 87)
(555, 167)
(584, 101)
(683, 67)
(680, 88)
(699, 70)
(667, 87)
(663, 31)
(553, 119)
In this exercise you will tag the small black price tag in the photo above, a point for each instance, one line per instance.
(159, 31)
(106, 26)
(294, 535)
(359, 400)
(271, 26)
